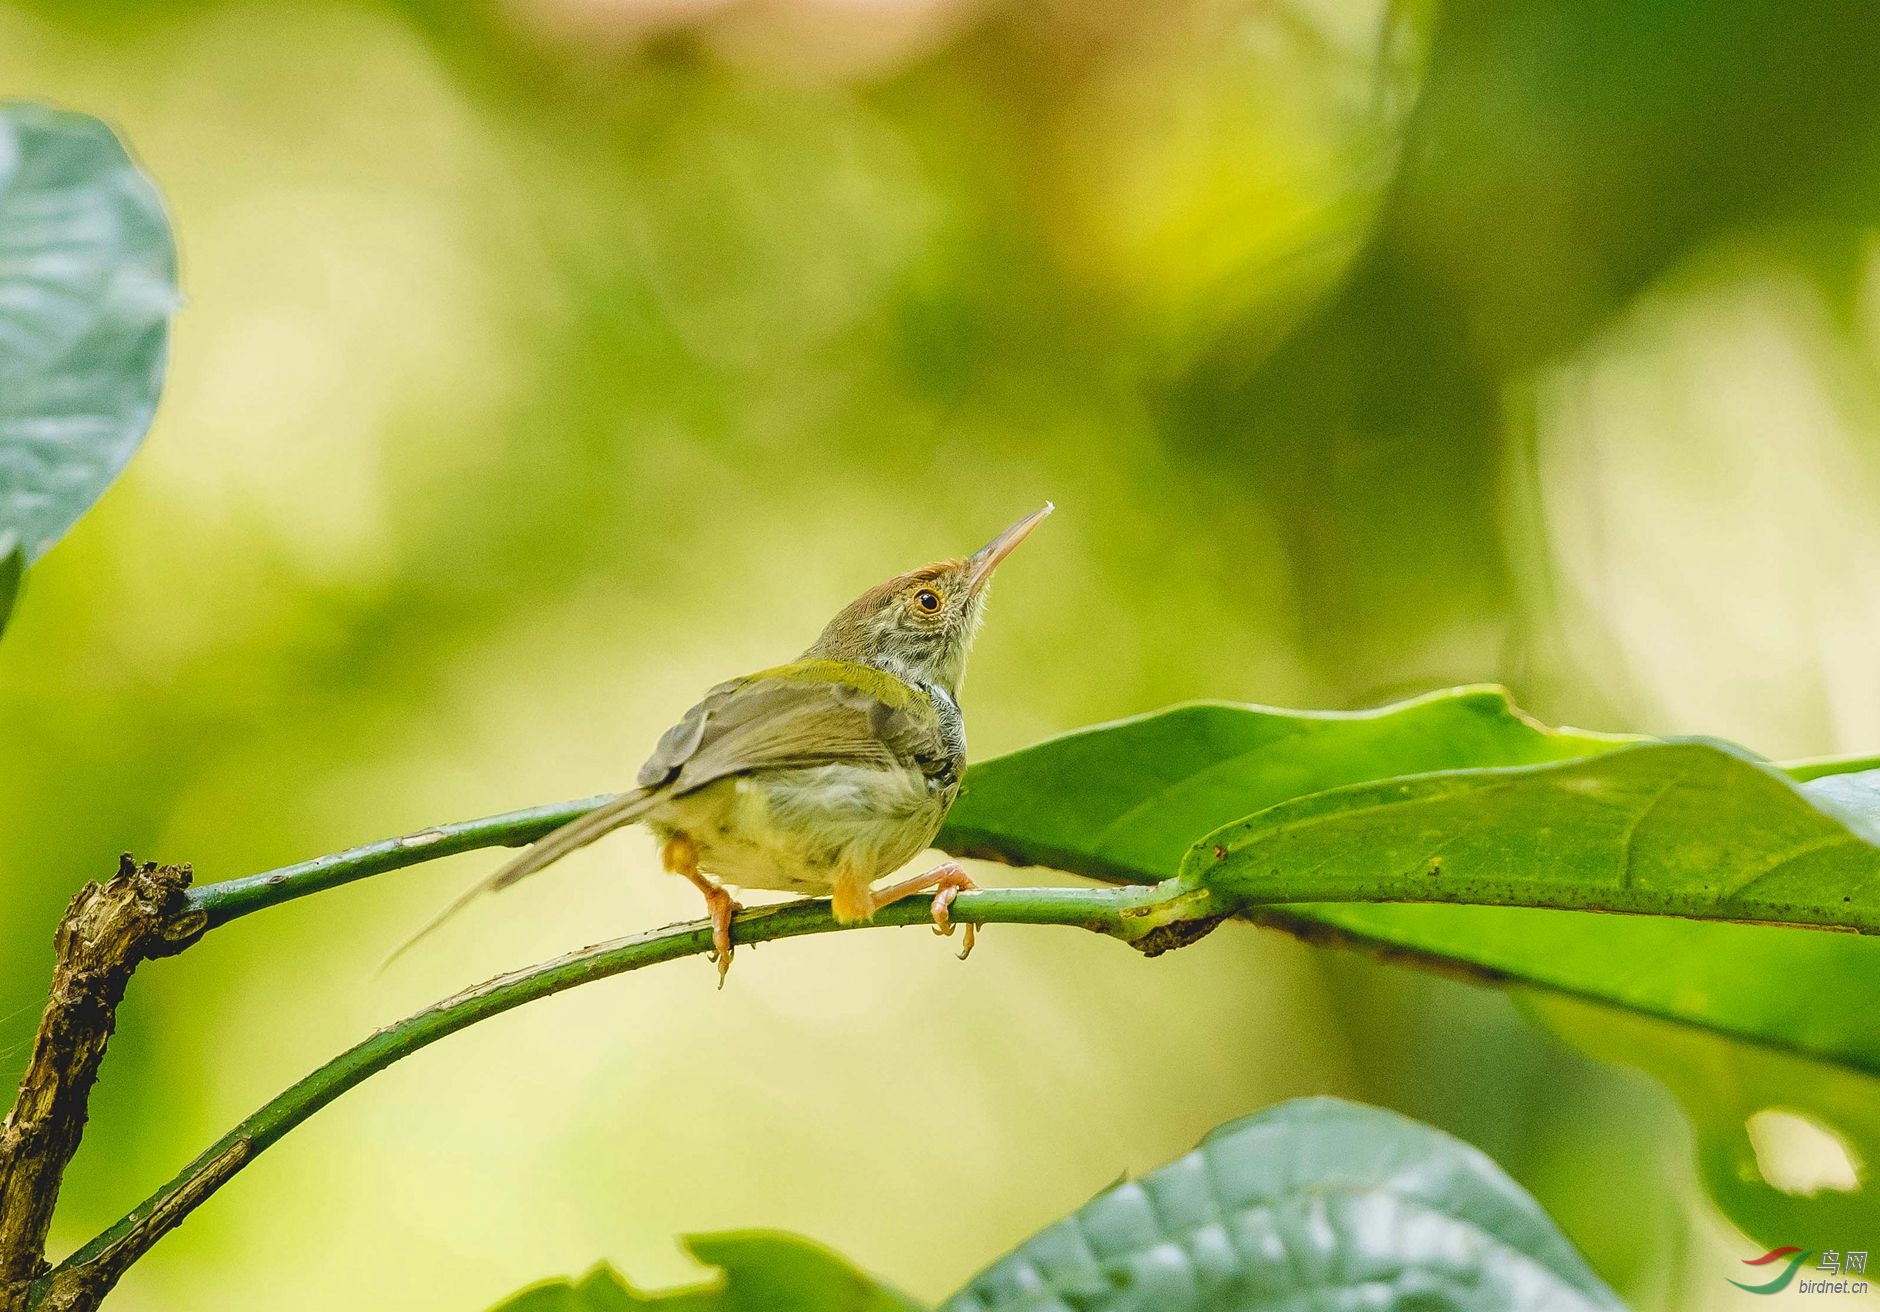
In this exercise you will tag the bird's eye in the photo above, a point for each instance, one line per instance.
(928, 600)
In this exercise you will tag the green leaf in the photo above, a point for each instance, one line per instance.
(1127, 800)
(1316, 1203)
(1678, 828)
(1722, 1086)
(600, 1290)
(87, 285)
(12, 574)
(760, 1271)
(766, 1271)
(1729, 836)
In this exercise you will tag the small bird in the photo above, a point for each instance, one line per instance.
(820, 776)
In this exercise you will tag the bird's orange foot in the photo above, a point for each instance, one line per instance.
(722, 906)
(948, 882)
(680, 855)
(952, 881)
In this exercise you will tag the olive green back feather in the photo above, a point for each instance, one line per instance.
(809, 713)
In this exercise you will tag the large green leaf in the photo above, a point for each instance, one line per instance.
(760, 1271)
(1675, 828)
(1127, 800)
(1315, 1204)
(87, 285)
(1556, 818)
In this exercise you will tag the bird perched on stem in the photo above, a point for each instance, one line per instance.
(820, 776)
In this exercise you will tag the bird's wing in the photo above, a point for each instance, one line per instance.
(810, 713)
(814, 712)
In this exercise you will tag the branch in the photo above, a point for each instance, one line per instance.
(108, 930)
(150, 911)
(233, 898)
(1153, 919)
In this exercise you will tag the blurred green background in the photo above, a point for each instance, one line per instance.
(548, 360)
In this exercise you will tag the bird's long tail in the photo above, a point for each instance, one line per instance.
(544, 852)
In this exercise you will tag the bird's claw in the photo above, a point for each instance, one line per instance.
(722, 908)
(947, 882)
(951, 886)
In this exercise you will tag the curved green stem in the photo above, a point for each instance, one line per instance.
(225, 901)
(1151, 918)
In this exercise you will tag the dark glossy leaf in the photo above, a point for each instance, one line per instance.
(1729, 836)
(87, 285)
(1315, 1204)
(760, 1272)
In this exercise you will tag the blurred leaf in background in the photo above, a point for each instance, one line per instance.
(546, 357)
(759, 1272)
(12, 574)
(1783, 1141)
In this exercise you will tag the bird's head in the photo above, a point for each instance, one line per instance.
(919, 626)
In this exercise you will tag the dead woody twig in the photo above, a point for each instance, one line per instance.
(107, 932)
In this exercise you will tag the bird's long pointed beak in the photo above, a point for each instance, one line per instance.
(987, 558)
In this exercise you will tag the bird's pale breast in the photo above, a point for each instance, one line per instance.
(794, 829)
